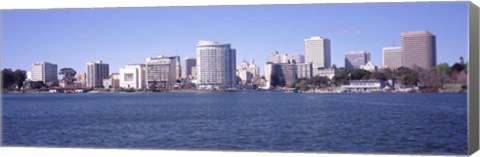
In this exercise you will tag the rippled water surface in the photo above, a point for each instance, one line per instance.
(252, 121)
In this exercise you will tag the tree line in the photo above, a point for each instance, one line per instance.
(436, 77)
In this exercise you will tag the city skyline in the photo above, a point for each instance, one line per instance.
(102, 37)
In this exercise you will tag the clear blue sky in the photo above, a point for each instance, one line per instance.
(120, 36)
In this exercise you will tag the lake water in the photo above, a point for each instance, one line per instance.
(248, 121)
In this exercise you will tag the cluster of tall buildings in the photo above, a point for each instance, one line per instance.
(215, 65)
(418, 50)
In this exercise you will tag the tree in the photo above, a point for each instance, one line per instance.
(301, 84)
(378, 76)
(442, 68)
(389, 73)
(20, 77)
(8, 78)
(342, 76)
(319, 81)
(359, 74)
(277, 81)
(68, 75)
(406, 76)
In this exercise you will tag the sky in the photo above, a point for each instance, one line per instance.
(121, 36)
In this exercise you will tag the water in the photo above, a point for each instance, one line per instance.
(251, 121)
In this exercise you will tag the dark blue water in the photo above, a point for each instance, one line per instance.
(256, 121)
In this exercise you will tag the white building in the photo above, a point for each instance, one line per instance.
(248, 71)
(368, 85)
(392, 57)
(133, 76)
(161, 72)
(216, 65)
(96, 72)
(325, 72)
(317, 52)
(369, 67)
(188, 65)
(275, 57)
(45, 72)
(113, 82)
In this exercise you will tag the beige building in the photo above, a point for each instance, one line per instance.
(418, 49)
(392, 57)
(161, 72)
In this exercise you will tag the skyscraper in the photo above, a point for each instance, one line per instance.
(161, 72)
(356, 59)
(96, 72)
(187, 65)
(216, 65)
(178, 67)
(418, 49)
(317, 52)
(44, 71)
(392, 57)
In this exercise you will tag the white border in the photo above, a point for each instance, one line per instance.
(80, 152)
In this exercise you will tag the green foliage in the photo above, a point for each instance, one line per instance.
(378, 76)
(68, 75)
(407, 76)
(277, 81)
(315, 82)
(13, 78)
(442, 68)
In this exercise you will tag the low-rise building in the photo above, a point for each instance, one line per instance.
(325, 72)
(133, 76)
(368, 85)
(113, 82)
(369, 67)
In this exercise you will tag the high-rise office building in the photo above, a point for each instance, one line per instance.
(392, 57)
(297, 58)
(44, 71)
(275, 57)
(356, 59)
(187, 65)
(133, 76)
(317, 52)
(418, 49)
(96, 72)
(216, 65)
(161, 72)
